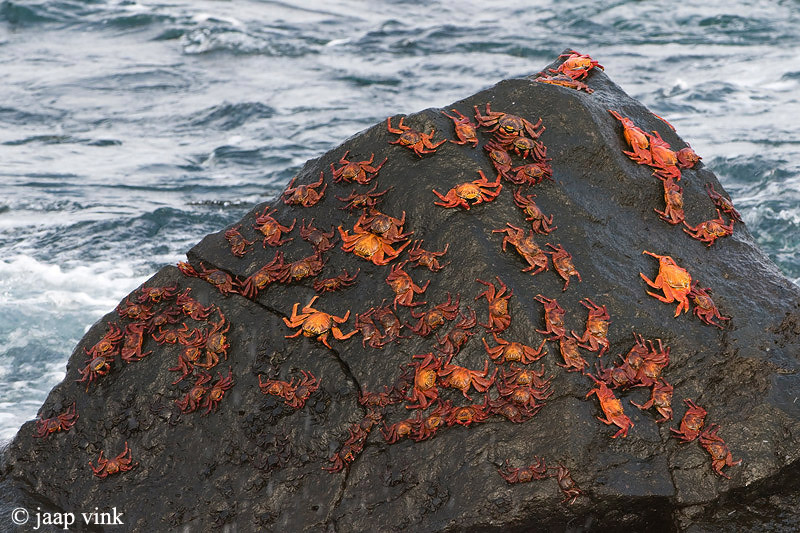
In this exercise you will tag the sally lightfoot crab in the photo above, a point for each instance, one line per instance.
(61, 422)
(359, 171)
(420, 143)
(317, 324)
(107, 467)
(673, 280)
(470, 193)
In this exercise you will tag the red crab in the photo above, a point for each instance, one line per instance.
(191, 307)
(61, 422)
(539, 222)
(370, 247)
(217, 391)
(434, 318)
(424, 390)
(108, 345)
(420, 143)
(275, 387)
(576, 66)
(536, 471)
(562, 262)
(273, 271)
(553, 318)
(653, 363)
(636, 138)
(189, 358)
(524, 396)
(156, 294)
(596, 328)
(389, 322)
(369, 330)
(335, 283)
(307, 386)
(430, 423)
(466, 415)
(306, 267)
(470, 193)
(131, 350)
(193, 399)
(365, 200)
(567, 485)
(466, 131)
(673, 199)
(511, 411)
(526, 247)
(271, 229)
(304, 195)
(612, 408)
(722, 203)
(499, 316)
(320, 240)
(710, 230)
(377, 400)
(458, 336)
(388, 228)
(704, 307)
(620, 376)
(96, 366)
(564, 81)
(317, 324)
(500, 159)
(691, 423)
(573, 362)
(531, 174)
(524, 147)
(716, 447)
(507, 126)
(400, 430)
(355, 443)
(237, 241)
(461, 378)
(661, 399)
(107, 467)
(216, 343)
(404, 287)
(513, 351)
(687, 158)
(166, 315)
(419, 257)
(134, 311)
(673, 280)
(222, 281)
(358, 171)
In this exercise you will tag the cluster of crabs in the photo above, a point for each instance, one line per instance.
(164, 316)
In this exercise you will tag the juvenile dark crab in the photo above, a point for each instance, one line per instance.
(304, 195)
(420, 143)
(359, 171)
(470, 193)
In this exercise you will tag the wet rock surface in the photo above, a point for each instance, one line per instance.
(255, 462)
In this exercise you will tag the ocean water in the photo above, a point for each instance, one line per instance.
(129, 130)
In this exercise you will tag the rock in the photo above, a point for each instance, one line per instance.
(255, 462)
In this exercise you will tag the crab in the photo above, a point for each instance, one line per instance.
(303, 268)
(189, 358)
(377, 400)
(420, 143)
(270, 273)
(673, 280)
(222, 281)
(359, 171)
(524, 147)
(388, 228)
(317, 324)
(539, 222)
(564, 81)
(320, 240)
(389, 322)
(191, 307)
(536, 471)
(553, 318)
(365, 200)
(400, 430)
(637, 140)
(710, 230)
(355, 443)
(649, 372)
(434, 318)
(216, 342)
(466, 131)
(156, 294)
(562, 262)
(531, 174)
(458, 336)
(573, 362)
(511, 411)
(108, 467)
(307, 386)
(108, 345)
(576, 66)
(704, 307)
(61, 422)
(369, 330)
(430, 423)
(335, 283)
(461, 378)
(499, 316)
(716, 447)
(620, 376)
(96, 366)
(217, 391)
(304, 195)
(526, 247)
(167, 315)
(664, 158)
(596, 328)
(275, 387)
(470, 193)
(661, 399)
(673, 199)
(424, 390)
(691, 423)
(193, 399)
(370, 247)
(507, 126)
(524, 396)
(722, 203)
(567, 485)
(134, 311)
(612, 408)
(237, 241)
(514, 351)
(467, 415)
(500, 159)
(420, 257)
(687, 157)
(271, 229)
(131, 350)
(404, 287)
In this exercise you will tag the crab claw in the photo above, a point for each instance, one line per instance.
(659, 257)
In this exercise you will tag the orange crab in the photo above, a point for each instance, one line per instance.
(157, 294)
(539, 222)
(500, 159)
(716, 447)
(470, 193)
(420, 143)
(531, 174)
(462, 378)
(675, 281)
(564, 81)
(710, 230)
(271, 229)
(507, 126)
(237, 241)
(661, 399)
(387, 227)
(370, 247)
(400, 430)
(636, 138)
(612, 408)
(573, 362)
(673, 198)
(514, 351)
(466, 415)
(430, 423)
(217, 391)
(562, 262)
(359, 171)
(270, 273)
(304, 195)
(664, 158)
(419, 257)
(596, 328)
(434, 318)
(424, 390)
(526, 247)
(404, 287)
(691, 423)
(499, 316)
(107, 467)
(465, 130)
(317, 324)
(576, 66)
(61, 422)
(704, 307)
(553, 318)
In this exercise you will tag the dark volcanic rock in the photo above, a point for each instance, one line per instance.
(257, 463)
